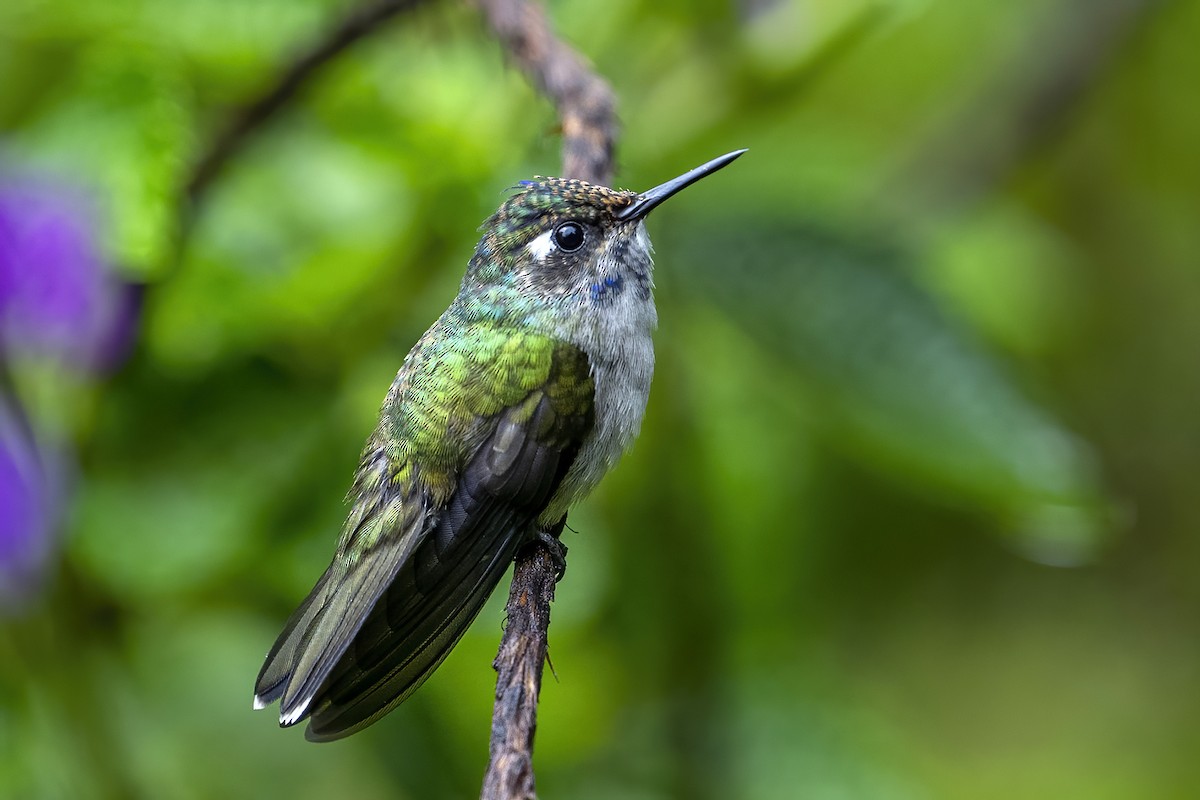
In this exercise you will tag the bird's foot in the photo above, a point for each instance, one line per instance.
(556, 549)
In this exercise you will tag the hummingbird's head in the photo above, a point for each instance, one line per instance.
(560, 240)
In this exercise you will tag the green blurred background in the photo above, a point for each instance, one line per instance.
(913, 512)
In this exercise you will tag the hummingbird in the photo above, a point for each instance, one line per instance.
(507, 411)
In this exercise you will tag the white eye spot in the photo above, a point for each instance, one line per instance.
(541, 247)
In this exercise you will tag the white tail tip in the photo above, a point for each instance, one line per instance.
(290, 719)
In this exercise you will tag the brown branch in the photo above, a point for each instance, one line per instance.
(587, 110)
(357, 24)
(585, 103)
(518, 668)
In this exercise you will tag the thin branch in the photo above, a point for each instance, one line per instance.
(358, 23)
(586, 107)
(518, 666)
(585, 104)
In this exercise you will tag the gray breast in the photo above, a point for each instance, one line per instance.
(615, 332)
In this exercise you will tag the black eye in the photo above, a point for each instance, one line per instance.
(569, 236)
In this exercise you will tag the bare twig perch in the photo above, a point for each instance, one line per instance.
(586, 108)
(518, 667)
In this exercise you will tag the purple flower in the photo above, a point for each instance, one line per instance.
(58, 299)
(57, 294)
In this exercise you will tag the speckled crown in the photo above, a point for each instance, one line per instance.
(559, 196)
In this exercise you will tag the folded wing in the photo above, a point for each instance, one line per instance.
(382, 618)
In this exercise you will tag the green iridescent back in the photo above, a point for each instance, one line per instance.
(459, 377)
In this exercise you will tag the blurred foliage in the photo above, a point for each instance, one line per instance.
(887, 408)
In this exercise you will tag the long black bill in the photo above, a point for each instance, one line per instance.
(648, 200)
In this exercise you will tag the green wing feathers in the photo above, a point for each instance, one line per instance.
(456, 383)
(475, 437)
